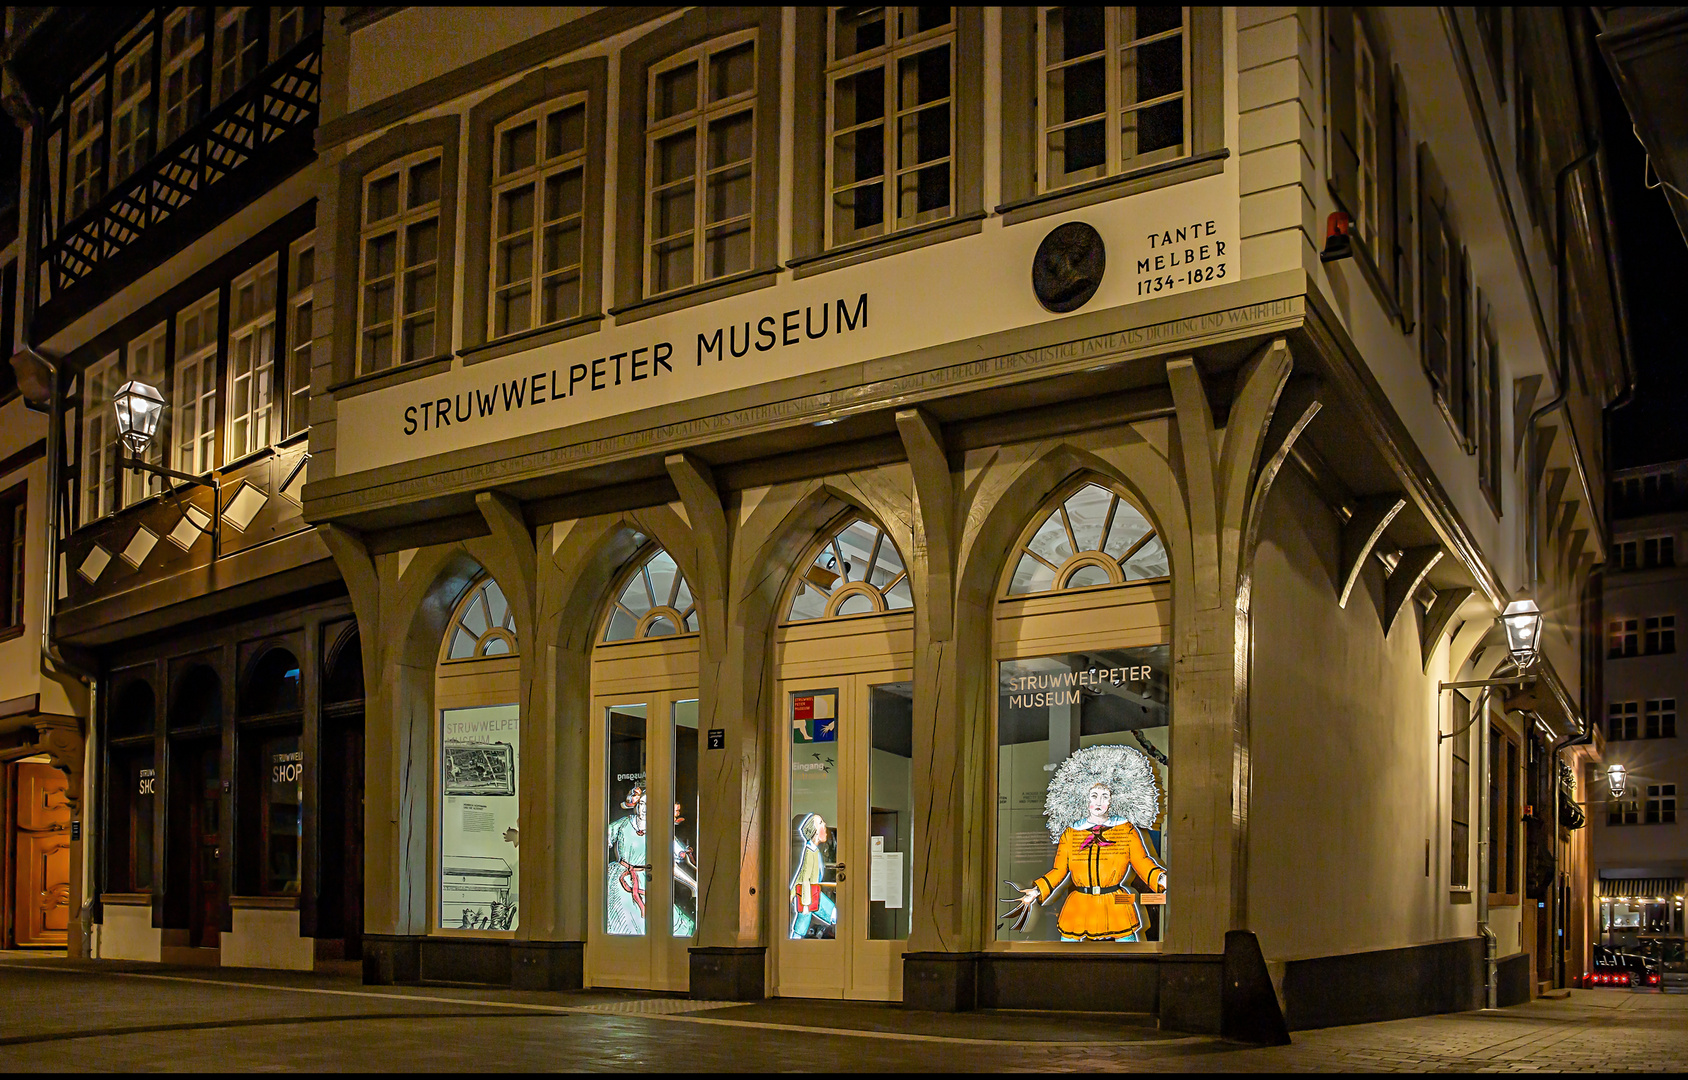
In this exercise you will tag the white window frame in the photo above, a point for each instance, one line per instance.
(131, 114)
(893, 174)
(100, 488)
(1114, 113)
(300, 334)
(540, 228)
(228, 73)
(1366, 134)
(178, 113)
(86, 182)
(146, 362)
(251, 375)
(699, 119)
(400, 224)
(195, 397)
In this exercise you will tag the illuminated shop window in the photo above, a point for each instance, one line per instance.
(857, 571)
(1093, 538)
(655, 602)
(483, 625)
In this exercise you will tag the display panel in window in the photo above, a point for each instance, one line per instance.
(1082, 744)
(890, 119)
(479, 883)
(1115, 91)
(700, 158)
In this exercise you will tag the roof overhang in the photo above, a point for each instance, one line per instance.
(1647, 50)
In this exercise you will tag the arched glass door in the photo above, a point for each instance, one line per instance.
(846, 756)
(642, 862)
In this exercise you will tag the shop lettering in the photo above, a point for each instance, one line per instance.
(479, 727)
(1065, 688)
(783, 330)
(539, 387)
(149, 777)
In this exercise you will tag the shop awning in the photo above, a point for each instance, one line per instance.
(1648, 887)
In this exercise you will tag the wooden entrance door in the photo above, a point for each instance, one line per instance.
(340, 911)
(196, 835)
(41, 886)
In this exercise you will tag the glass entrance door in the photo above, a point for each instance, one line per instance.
(643, 857)
(843, 926)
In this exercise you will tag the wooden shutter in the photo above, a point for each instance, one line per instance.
(1339, 100)
(1383, 245)
(1401, 176)
(1433, 270)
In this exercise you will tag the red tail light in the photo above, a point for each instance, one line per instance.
(1652, 980)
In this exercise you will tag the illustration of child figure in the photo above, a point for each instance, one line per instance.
(1097, 806)
(809, 900)
(685, 873)
(624, 908)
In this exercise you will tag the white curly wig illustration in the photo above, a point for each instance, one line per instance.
(1127, 774)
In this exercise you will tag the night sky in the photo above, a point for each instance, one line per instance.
(1655, 272)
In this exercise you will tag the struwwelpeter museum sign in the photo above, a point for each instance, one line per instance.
(1159, 242)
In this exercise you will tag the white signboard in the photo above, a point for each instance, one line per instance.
(1160, 242)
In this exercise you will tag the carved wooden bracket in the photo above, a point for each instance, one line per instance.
(1361, 534)
(1404, 580)
(695, 482)
(934, 497)
(1436, 620)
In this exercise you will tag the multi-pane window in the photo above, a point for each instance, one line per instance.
(1661, 805)
(99, 438)
(1115, 90)
(1624, 555)
(1488, 411)
(1623, 812)
(1659, 551)
(251, 359)
(195, 399)
(289, 30)
(238, 53)
(890, 119)
(13, 537)
(539, 164)
(131, 109)
(180, 78)
(146, 364)
(1625, 638)
(86, 163)
(398, 268)
(301, 270)
(1659, 635)
(700, 179)
(1661, 718)
(1365, 130)
(1621, 720)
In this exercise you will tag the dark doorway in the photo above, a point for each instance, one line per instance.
(196, 839)
(340, 893)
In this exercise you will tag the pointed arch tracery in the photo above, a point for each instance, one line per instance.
(856, 570)
(482, 624)
(1092, 537)
(655, 599)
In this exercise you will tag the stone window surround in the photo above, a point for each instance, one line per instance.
(637, 58)
(1020, 198)
(442, 134)
(548, 84)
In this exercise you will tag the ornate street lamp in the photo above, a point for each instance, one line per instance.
(139, 408)
(1522, 620)
(1616, 779)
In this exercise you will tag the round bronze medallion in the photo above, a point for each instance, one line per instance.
(1067, 269)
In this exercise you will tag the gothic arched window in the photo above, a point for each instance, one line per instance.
(857, 571)
(655, 602)
(1092, 537)
(483, 624)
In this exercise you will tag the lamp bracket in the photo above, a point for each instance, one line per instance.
(1471, 684)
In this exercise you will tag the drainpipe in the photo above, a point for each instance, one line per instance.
(1490, 945)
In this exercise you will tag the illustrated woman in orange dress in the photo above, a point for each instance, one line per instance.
(1098, 804)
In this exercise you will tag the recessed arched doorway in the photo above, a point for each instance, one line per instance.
(643, 810)
(844, 767)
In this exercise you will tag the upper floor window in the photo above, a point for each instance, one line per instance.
(195, 399)
(131, 110)
(86, 162)
(700, 164)
(1622, 721)
(1661, 804)
(99, 438)
(182, 77)
(1659, 551)
(14, 505)
(890, 119)
(301, 269)
(1660, 635)
(655, 601)
(238, 52)
(398, 268)
(857, 571)
(251, 373)
(291, 26)
(1488, 408)
(538, 194)
(1093, 537)
(1625, 638)
(1661, 719)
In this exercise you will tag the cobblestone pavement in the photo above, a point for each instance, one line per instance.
(63, 1015)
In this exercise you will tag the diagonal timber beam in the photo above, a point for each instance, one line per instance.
(1361, 534)
(934, 495)
(1405, 579)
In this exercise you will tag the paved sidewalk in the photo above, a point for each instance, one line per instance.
(107, 1016)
